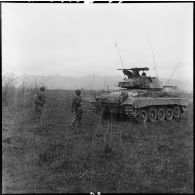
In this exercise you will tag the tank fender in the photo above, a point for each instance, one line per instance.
(130, 101)
(142, 102)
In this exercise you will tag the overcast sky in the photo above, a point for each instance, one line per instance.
(45, 39)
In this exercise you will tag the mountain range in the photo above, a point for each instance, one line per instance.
(90, 82)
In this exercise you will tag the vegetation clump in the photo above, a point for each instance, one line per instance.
(45, 156)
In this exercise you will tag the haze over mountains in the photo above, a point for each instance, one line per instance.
(90, 82)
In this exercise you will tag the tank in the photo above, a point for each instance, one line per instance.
(141, 98)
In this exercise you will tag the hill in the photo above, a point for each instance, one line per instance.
(91, 81)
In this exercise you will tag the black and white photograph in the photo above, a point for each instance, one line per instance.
(97, 97)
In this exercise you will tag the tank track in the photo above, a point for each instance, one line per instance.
(132, 113)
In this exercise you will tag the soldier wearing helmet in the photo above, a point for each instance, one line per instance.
(76, 108)
(40, 100)
(144, 80)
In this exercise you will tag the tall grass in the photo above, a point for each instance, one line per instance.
(51, 157)
(17, 93)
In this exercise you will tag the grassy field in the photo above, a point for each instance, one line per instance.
(45, 156)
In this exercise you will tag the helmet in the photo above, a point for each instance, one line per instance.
(124, 93)
(143, 74)
(78, 92)
(42, 88)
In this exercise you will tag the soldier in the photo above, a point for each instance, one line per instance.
(136, 73)
(123, 96)
(143, 74)
(39, 101)
(77, 109)
(144, 80)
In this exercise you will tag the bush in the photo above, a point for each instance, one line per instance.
(8, 89)
(18, 95)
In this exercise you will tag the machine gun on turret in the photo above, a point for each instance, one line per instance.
(137, 81)
(133, 72)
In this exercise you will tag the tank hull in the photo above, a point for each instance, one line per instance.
(135, 107)
(142, 97)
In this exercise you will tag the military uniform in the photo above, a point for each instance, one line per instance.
(144, 80)
(39, 102)
(77, 110)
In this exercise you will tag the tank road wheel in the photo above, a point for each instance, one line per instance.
(183, 108)
(169, 114)
(152, 114)
(142, 115)
(176, 112)
(161, 114)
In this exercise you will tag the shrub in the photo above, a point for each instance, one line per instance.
(18, 95)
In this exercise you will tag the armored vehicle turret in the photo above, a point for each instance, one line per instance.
(141, 97)
(136, 81)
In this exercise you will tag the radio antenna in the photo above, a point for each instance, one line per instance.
(119, 55)
(105, 80)
(152, 54)
(173, 73)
